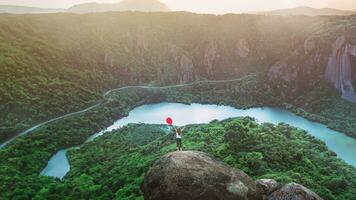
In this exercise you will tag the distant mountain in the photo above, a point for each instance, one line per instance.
(309, 11)
(125, 5)
(25, 9)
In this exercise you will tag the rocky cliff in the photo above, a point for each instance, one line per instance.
(341, 70)
(300, 70)
(166, 48)
(317, 60)
(196, 175)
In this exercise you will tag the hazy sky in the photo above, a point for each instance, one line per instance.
(205, 6)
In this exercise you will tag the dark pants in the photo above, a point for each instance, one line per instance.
(179, 143)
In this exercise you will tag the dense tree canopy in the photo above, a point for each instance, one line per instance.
(113, 166)
(261, 151)
(52, 64)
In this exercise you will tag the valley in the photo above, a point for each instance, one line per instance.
(51, 69)
(57, 90)
(31, 152)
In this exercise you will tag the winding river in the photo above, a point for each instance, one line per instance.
(342, 145)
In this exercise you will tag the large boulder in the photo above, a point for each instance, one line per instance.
(294, 191)
(268, 186)
(184, 175)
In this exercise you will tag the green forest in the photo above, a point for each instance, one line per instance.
(113, 166)
(55, 64)
(22, 160)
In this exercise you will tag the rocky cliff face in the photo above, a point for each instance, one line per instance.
(340, 71)
(171, 48)
(317, 60)
(298, 72)
(196, 175)
(182, 64)
(211, 56)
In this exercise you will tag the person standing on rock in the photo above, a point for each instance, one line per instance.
(179, 133)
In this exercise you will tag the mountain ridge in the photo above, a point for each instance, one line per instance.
(309, 11)
(27, 9)
(157, 6)
(125, 5)
(92, 7)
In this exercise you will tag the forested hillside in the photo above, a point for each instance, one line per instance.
(113, 166)
(23, 159)
(259, 150)
(51, 64)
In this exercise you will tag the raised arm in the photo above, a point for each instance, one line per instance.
(175, 129)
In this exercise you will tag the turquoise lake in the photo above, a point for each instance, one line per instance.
(343, 145)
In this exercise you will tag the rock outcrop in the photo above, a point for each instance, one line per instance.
(196, 175)
(298, 72)
(242, 48)
(211, 56)
(312, 63)
(184, 175)
(294, 191)
(183, 64)
(268, 186)
(186, 67)
(284, 78)
(339, 71)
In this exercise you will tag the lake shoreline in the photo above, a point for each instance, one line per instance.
(126, 120)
